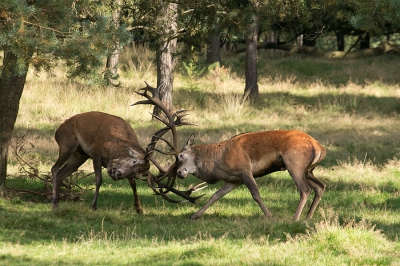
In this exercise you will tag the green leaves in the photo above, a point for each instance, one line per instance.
(80, 32)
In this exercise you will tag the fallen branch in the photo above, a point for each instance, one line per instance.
(72, 189)
(385, 47)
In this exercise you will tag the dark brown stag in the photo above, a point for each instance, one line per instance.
(109, 141)
(112, 143)
(247, 156)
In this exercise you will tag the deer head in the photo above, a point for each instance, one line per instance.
(163, 182)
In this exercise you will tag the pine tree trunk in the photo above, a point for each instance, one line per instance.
(251, 88)
(165, 55)
(213, 50)
(111, 74)
(12, 81)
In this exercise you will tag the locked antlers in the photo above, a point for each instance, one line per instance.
(164, 181)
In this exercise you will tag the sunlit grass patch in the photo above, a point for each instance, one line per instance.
(353, 113)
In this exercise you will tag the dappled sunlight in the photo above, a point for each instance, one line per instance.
(356, 118)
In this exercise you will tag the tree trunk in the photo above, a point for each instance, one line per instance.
(364, 41)
(251, 88)
(309, 41)
(165, 54)
(12, 81)
(271, 37)
(340, 41)
(111, 74)
(213, 50)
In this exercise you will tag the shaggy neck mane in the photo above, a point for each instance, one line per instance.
(207, 156)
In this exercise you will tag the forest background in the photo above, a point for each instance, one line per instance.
(351, 106)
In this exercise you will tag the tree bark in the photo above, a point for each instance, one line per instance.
(340, 41)
(251, 87)
(12, 81)
(167, 24)
(364, 41)
(111, 74)
(213, 50)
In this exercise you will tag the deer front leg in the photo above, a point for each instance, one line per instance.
(138, 206)
(225, 189)
(99, 179)
(255, 193)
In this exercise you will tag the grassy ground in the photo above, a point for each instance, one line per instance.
(351, 107)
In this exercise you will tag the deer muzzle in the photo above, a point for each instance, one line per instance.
(182, 172)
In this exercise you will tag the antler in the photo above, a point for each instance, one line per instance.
(173, 120)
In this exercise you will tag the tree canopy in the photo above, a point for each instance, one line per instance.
(42, 31)
(38, 33)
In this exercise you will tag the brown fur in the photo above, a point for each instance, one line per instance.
(109, 141)
(244, 157)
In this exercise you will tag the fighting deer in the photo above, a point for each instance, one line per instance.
(172, 121)
(247, 156)
(112, 143)
(109, 141)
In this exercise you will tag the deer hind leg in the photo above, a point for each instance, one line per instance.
(299, 179)
(64, 167)
(225, 189)
(138, 206)
(255, 193)
(318, 188)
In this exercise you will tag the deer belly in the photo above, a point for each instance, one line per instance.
(86, 148)
(261, 169)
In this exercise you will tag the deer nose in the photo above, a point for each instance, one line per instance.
(118, 175)
(181, 172)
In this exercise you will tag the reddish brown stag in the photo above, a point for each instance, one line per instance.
(109, 141)
(112, 143)
(247, 156)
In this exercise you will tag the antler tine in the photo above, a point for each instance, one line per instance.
(172, 121)
(184, 194)
(166, 141)
(159, 167)
(150, 180)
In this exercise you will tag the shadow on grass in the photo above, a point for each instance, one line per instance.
(26, 222)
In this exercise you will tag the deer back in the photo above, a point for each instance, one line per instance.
(258, 153)
(99, 133)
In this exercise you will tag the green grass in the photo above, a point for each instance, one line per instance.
(354, 117)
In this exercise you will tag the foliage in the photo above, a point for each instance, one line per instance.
(52, 30)
(193, 72)
(373, 16)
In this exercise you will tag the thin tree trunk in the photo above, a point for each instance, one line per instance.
(251, 88)
(12, 81)
(111, 74)
(213, 50)
(340, 41)
(165, 55)
(365, 41)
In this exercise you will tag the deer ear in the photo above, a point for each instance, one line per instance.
(189, 143)
(132, 152)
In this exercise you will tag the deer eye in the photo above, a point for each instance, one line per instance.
(180, 157)
(135, 161)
